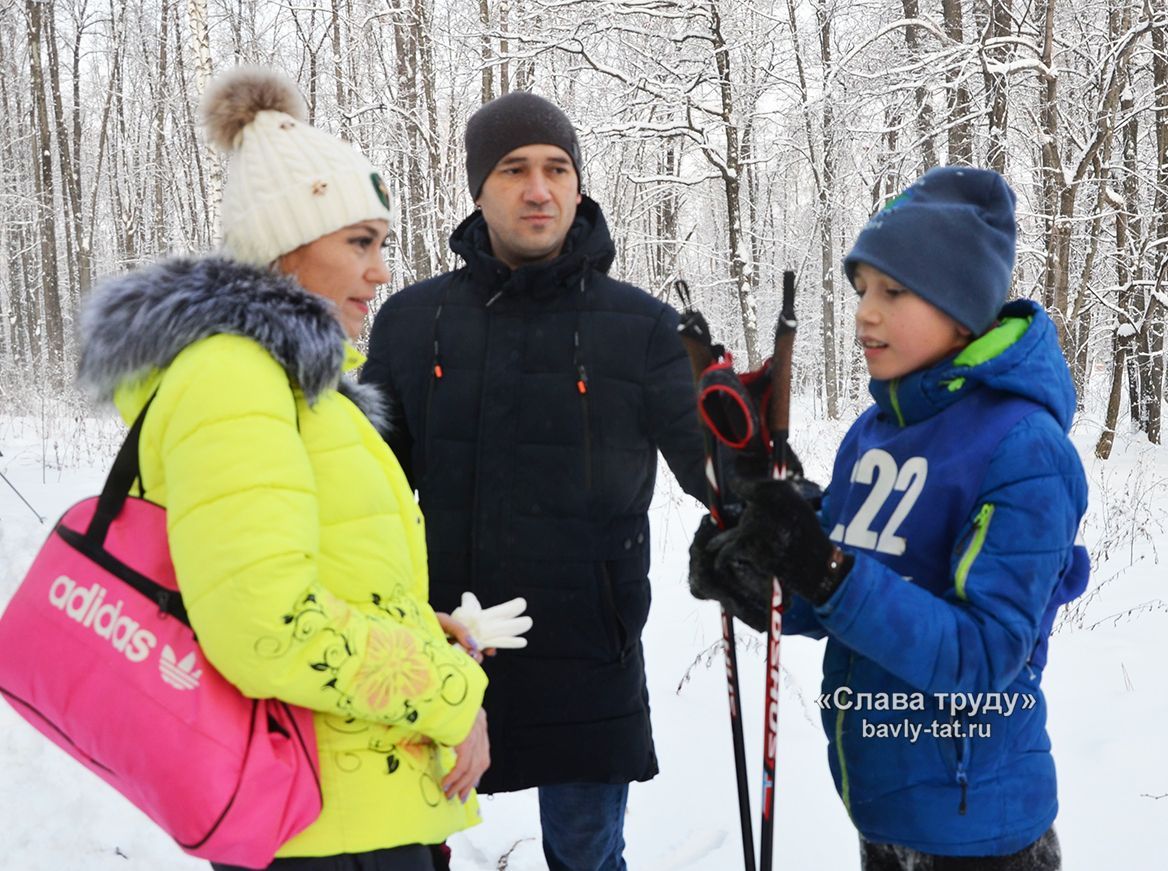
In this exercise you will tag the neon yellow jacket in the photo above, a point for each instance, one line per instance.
(299, 548)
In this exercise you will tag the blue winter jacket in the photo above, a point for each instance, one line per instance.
(960, 495)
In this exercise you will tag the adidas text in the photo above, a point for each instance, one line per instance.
(85, 606)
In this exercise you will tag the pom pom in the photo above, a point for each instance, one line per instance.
(233, 99)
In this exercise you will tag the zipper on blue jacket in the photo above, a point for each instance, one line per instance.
(962, 774)
(845, 787)
(976, 540)
(893, 388)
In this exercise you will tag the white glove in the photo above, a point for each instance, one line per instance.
(499, 626)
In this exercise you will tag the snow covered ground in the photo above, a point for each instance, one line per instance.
(1107, 687)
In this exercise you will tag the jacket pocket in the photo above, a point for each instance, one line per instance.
(952, 739)
(971, 546)
(614, 624)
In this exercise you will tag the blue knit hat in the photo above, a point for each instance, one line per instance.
(949, 238)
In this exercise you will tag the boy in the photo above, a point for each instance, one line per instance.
(943, 547)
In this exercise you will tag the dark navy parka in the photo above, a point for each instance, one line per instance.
(528, 410)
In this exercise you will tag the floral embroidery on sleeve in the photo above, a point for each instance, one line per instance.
(395, 669)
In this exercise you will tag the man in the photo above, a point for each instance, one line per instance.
(530, 393)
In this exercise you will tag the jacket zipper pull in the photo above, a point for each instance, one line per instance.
(581, 373)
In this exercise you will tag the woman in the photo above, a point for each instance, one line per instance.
(298, 546)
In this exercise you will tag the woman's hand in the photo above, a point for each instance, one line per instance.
(474, 757)
(460, 635)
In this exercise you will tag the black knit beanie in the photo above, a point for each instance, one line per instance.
(513, 121)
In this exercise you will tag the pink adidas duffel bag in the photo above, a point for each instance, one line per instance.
(96, 652)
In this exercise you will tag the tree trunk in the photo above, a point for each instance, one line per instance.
(437, 193)
(487, 90)
(84, 242)
(823, 176)
(69, 191)
(21, 306)
(42, 145)
(926, 123)
(405, 37)
(1139, 361)
(1155, 316)
(504, 47)
(827, 252)
(995, 81)
(1114, 398)
(741, 273)
(161, 91)
(211, 180)
(960, 132)
(1080, 315)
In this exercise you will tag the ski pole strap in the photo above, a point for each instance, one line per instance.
(733, 405)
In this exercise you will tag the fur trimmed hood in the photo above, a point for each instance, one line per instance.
(138, 322)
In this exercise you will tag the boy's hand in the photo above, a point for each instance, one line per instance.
(779, 535)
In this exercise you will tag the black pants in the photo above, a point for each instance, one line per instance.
(1043, 855)
(415, 857)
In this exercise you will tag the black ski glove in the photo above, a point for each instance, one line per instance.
(707, 583)
(737, 467)
(778, 535)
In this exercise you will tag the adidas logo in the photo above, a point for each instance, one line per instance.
(180, 674)
(85, 606)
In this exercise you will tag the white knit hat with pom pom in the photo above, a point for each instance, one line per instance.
(288, 183)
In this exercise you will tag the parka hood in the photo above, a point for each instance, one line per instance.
(588, 246)
(134, 325)
(1020, 356)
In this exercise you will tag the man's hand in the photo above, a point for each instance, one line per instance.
(748, 604)
(474, 757)
(779, 535)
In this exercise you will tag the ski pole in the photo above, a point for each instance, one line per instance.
(695, 336)
(21, 495)
(778, 420)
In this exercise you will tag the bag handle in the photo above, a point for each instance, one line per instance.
(119, 482)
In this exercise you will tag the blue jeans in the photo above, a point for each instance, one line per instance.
(583, 826)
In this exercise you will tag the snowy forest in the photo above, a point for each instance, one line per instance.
(727, 140)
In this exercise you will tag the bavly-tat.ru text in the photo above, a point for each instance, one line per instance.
(906, 728)
(956, 704)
